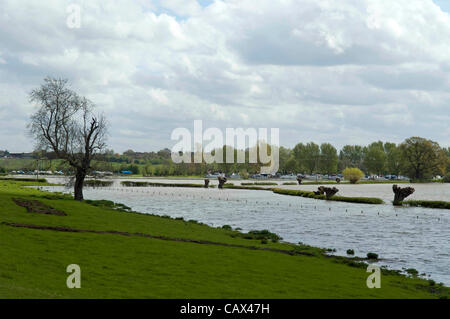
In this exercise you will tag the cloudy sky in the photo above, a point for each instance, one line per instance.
(345, 72)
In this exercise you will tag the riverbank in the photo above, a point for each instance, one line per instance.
(127, 255)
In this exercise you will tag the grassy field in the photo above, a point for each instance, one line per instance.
(123, 257)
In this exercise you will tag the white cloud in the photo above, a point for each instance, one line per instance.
(182, 7)
(345, 72)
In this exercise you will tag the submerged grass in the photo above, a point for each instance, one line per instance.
(260, 183)
(155, 184)
(257, 186)
(309, 194)
(25, 179)
(97, 183)
(428, 204)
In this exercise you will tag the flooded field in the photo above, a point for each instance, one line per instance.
(403, 237)
(430, 191)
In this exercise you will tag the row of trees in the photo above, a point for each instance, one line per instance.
(417, 158)
(408, 158)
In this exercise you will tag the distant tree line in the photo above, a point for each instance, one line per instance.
(418, 158)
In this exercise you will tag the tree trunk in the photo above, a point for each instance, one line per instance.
(78, 188)
(401, 193)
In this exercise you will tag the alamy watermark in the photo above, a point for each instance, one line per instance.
(190, 147)
(374, 279)
(74, 279)
(73, 20)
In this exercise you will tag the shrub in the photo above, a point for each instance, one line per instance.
(446, 179)
(353, 174)
(372, 256)
(350, 252)
(244, 174)
(227, 227)
(289, 183)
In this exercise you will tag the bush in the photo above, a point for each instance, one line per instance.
(289, 183)
(227, 227)
(353, 174)
(372, 256)
(446, 179)
(244, 174)
(350, 252)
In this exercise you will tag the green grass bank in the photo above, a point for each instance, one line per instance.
(123, 254)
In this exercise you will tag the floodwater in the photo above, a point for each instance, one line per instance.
(403, 237)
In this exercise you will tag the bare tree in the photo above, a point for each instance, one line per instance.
(66, 124)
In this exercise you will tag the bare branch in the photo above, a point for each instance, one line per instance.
(66, 124)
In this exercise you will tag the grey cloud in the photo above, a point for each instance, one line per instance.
(347, 72)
